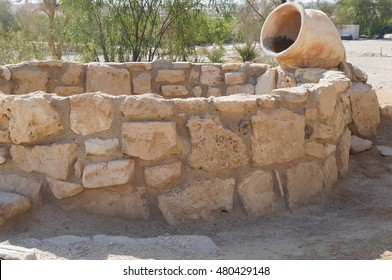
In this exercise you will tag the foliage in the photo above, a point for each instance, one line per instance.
(215, 53)
(247, 52)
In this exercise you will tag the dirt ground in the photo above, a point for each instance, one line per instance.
(354, 223)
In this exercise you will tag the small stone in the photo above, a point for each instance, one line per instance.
(11, 205)
(310, 114)
(2, 159)
(61, 189)
(159, 176)
(147, 106)
(197, 201)
(216, 92)
(174, 91)
(234, 104)
(292, 95)
(170, 76)
(285, 79)
(142, 83)
(266, 82)
(237, 89)
(104, 174)
(358, 145)
(5, 73)
(10, 252)
(359, 75)
(211, 75)
(385, 150)
(194, 76)
(197, 91)
(101, 147)
(309, 75)
(235, 78)
(25, 186)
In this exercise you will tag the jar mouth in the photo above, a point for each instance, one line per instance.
(282, 28)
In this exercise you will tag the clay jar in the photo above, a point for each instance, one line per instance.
(300, 38)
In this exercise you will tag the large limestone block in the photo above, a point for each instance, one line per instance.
(142, 83)
(304, 184)
(73, 74)
(101, 147)
(29, 80)
(11, 205)
(214, 147)
(123, 201)
(159, 176)
(238, 103)
(235, 78)
(55, 160)
(170, 76)
(198, 201)
(107, 79)
(147, 106)
(277, 137)
(236, 89)
(23, 185)
(266, 82)
(330, 170)
(365, 109)
(326, 97)
(343, 153)
(174, 91)
(148, 140)
(32, 118)
(292, 95)
(256, 191)
(90, 113)
(211, 75)
(104, 174)
(62, 189)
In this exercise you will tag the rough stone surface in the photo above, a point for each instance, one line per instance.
(5, 137)
(61, 189)
(138, 66)
(256, 191)
(198, 201)
(174, 91)
(247, 89)
(25, 186)
(319, 150)
(213, 91)
(267, 101)
(29, 81)
(170, 76)
(147, 106)
(277, 136)
(304, 184)
(309, 75)
(322, 131)
(5, 89)
(386, 111)
(194, 76)
(101, 147)
(235, 78)
(266, 82)
(68, 90)
(359, 75)
(90, 113)
(158, 176)
(55, 160)
(73, 74)
(310, 114)
(285, 79)
(123, 201)
(365, 109)
(342, 153)
(142, 83)
(214, 147)
(148, 140)
(211, 75)
(5, 73)
(11, 205)
(358, 145)
(385, 150)
(292, 95)
(231, 66)
(188, 105)
(326, 97)
(234, 104)
(104, 174)
(330, 171)
(197, 91)
(32, 118)
(107, 79)
(10, 252)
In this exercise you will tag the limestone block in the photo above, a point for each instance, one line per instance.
(142, 83)
(197, 201)
(194, 76)
(342, 153)
(339, 80)
(45, 63)
(174, 91)
(257, 69)
(5, 73)
(124, 201)
(190, 105)
(182, 65)
(197, 91)
(68, 90)
(330, 171)
(211, 75)
(256, 191)
(101, 77)
(104, 174)
(148, 140)
(326, 97)
(236, 89)
(277, 137)
(304, 184)
(237, 103)
(101, 147)
(292, 95)
(266, 82)
(5, 89)
(322, 131)
(25, 186)
(214, 147)
(138, 66)
(235, 78)
(61, 189)
(29, 80)
(358, 145)
(359, 75)
(285, 79)
(5, 137)
(170, 76)
(310, 114)
(55, 160)
(386, 111)
(309, 75)
(231, 66)
(73, 74)
(161, 175)
(365, 109)
(90, 113)
(214, 91)
(10, 252)
(267, 101)
(162, 64)
(147, 106)
(32, 118)
(11, 205)
(319, 150)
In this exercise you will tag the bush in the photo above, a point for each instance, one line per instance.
(247, 52)
(214, 54)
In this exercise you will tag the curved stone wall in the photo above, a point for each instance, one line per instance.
(190, 159)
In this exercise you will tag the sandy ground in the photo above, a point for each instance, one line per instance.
(354, 223)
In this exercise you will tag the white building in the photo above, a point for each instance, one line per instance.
(352, 29)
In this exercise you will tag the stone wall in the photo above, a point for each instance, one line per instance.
(130, 153)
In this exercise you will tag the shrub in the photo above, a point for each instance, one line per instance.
(247, 52)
